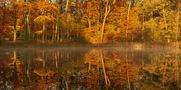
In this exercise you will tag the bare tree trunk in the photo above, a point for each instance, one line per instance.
(107, 81)
(127, 28)
(28, 69)
(43, 36)
(14, 57)
(89, 23)
(67, 6)
(127, 74)
(143, 28)
(28, 26)
(127, 19)
(107, 10)
(56, 31)
(14, 32)
(27, 21)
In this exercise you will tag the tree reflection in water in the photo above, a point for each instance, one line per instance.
(95, 69)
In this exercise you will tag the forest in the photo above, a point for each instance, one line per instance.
(90, 45)
(90, 21)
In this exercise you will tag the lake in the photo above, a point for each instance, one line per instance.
(89, 69)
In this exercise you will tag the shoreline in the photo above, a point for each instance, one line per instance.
(122, 46)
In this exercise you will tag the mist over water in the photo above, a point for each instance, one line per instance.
(89, 69)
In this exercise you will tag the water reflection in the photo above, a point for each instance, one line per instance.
(95, 69)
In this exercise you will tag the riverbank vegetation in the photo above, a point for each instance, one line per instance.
(90, 21)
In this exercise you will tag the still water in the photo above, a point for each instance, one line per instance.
(89, 69)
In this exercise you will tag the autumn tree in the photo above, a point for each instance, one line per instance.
(91, 18)
(4, 9)
(16, 13)
(27, 11)
(161, 21)
(96, 21)
(120, 19)
(47, 12)
(107, 4)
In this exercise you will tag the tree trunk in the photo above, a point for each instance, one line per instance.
(89, 23)
(67, 6)
(143, 28)
(107, 81)
(14, 57)
(28, 26)
(127, 74)
(127, 28)
(107, 10)
(127, 19)
(14, 32)
(56, 31)
(43, 36)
